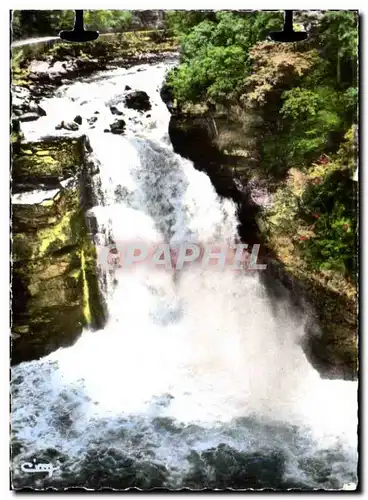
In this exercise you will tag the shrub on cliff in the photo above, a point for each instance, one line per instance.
(215, 53)
(315, 210)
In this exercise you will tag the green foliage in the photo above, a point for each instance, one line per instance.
(27, 23)
(334, 246)
(333, 203)
(182, 21)
(339, 39)
(314, 115)
(108, 20)
(211, 77)
(19, 72)
(215, 52)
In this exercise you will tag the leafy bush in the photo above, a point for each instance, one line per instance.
(215, 53)
(49, 22)
(334, 244)
(330, 204)
(314, 116)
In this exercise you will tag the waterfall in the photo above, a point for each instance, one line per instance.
(197, 380)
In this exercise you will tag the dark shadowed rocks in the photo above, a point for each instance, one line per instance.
(118, 127)
(115, 111)
(138, 100)
(67, 126)
(29, 117)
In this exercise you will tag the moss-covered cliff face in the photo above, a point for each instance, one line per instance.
(48, 162)
(55, 290)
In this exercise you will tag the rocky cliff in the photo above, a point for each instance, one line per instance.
(54, 282)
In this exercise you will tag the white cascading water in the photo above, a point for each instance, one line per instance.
(196, 380)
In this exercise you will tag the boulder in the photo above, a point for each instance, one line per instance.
(36, 108)
(78, 119)
(115, 111)
(29, 117)
(138, 100)
(118, 127)
(166, 94)
(41, 111)
(67, 126)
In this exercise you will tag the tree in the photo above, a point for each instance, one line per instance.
(182, 21)
(215, 52)
(50, 22)
(339, 36)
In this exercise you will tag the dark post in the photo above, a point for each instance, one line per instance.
(79, 34)
(288, 35)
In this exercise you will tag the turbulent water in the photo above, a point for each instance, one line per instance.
(197, 380)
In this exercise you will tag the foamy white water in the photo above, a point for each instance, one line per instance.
(197, 380)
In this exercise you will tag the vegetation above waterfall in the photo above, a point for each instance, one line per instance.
(36, 23)
(295, 110)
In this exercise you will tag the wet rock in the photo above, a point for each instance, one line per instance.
(258, 192)
(78, 119)
(57, 72)
(138, 100)
(29, 117)
(118, 127)
(27, 109)
(15, 125)
(166, 94)
(40, 110)
(67, 126)
(20, 94)
(115, 111)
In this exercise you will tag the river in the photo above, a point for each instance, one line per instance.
(197, 381)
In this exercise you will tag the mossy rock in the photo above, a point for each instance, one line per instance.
(43, 230)
(54, 298)
(51, 160)
(55, 292)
